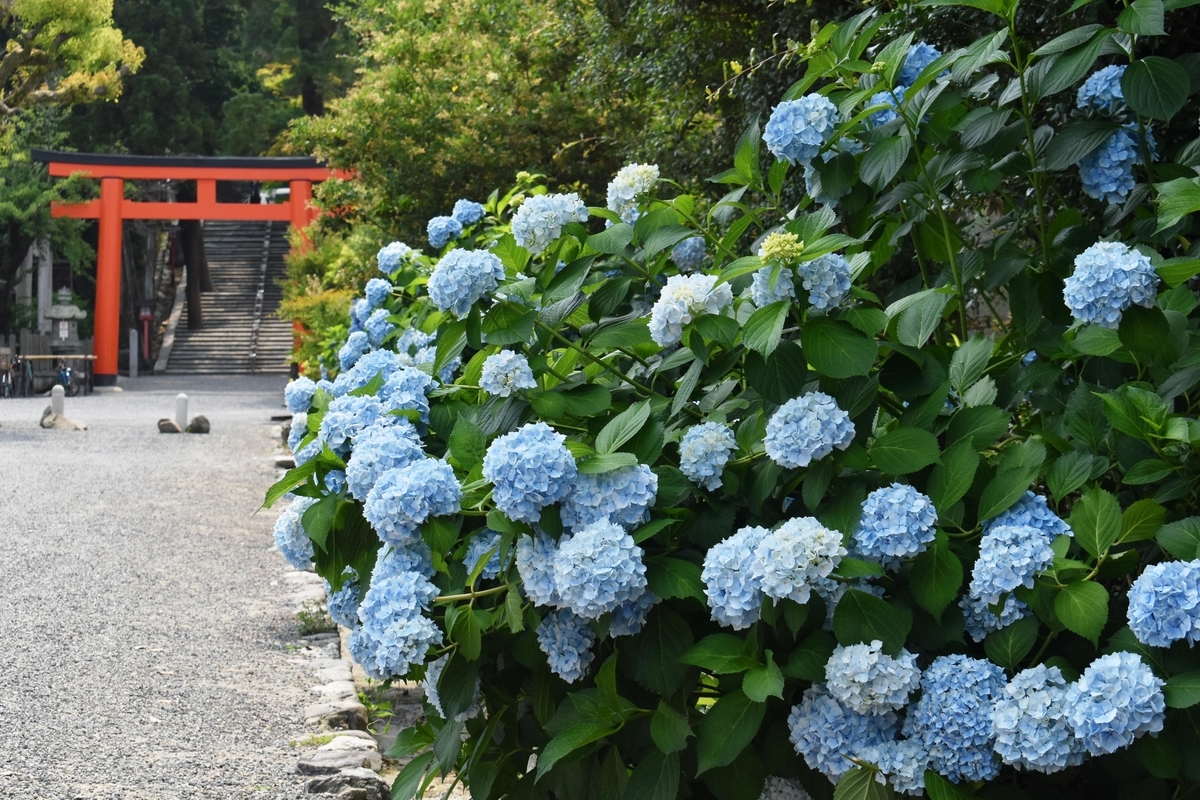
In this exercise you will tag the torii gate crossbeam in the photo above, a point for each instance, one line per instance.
(112, 209)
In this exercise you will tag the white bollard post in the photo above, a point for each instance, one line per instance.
(181, 410)
(134, 356)
(56, 399)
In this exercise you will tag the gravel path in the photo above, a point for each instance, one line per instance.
(146, 635)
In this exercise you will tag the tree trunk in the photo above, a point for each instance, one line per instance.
(12, 255)
(192, 238)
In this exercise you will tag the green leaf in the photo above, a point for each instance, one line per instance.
(504, 323)
(1096, 521)
(409, 781)
(883, 160)
(1068, 472)
(950, 479)
(1155, 87)
(587, 401)
(969, 361)
(720, 654)
(1143, 17)
(1149, 470)
(317, 519)
(669, 729)
(856, 567)
(467, 634)
(1181, 539)
(762, 331)
(835, 349)
(727, 728)
(674, 577)
(859, 784)
(918, 321)
(939, 788)
(717, 328)
(764, 681)
(656, 777)
(1094, 340)
(410, 742)
(468, 445)
(1146, 332)
(981, 425)
(611, 240)
(862, 617)
(937, 575)
(512, 609)
(1076, 141)
(629, 333)
(457, 685)
(567, 742)
(622, 427)
(568, 282)
(1176, 199)
(1175, 271)
(1070, 66)
(1141, 521)
(290, 480)
(666, 236)
(807, 661)
(779, 377)
(1008, 646)
(657, 649)
(904, 450)
(1083, 608)
(1004, 490)
(687, 385)
(1183, 691)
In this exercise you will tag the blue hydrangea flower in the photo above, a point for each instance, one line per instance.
(897, 522)
(1009, 556)
(733, 590)
(530, 468)
(441, 230)
(704, 451)
(535, 565)
(406, 389)
(892, 99)
(1032, 511)
(953, 718)
(567, 642)
(920, 56)
(629, 617)
(807, 428)
(684, 298)
(345, 418)
(597, 569)
(356, 344)
(297, 431)
(828, 735)
(1116, 700)
(505, 372)
(1107, 172)
(540, 219)
(901, 762)
(631, 182)
(378, 327)
(467, 212)
(307, 453)
(414, 557)
(412, 340)
(864, 679)
(791, 560)
(979, 619)
(359, 311)
(1029, 358)
(486, 540)
(462, 278)
(391, 256)
(433, 672)
(378, 449)
(1109, 278)
(1164, 604)
(1102, 90)
(299, 394)
(394, 633)
(621, 496)
(763, 293)
(1029, 722)
(325, 385)
(798, 128)
(378, 291)
(376, 362)
(335, 480)
(291, 540)
(403, 499)
(827, 280)
(342, 605)
(690, 253)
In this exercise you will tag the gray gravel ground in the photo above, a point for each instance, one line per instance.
(145, 635)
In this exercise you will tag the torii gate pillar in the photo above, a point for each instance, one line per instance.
(108, 281)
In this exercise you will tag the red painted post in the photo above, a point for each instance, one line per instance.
(108, 281)
(300, 197)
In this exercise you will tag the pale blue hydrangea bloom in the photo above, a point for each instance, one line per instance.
(798, 128)
(406, 389)
(622, 496)
(778, 788)
(467, 212)
(684, 298)
(540, 219)
(1102, 90)
(704, 451)
(1009, 556)
(827, 734)
(827, 280)
(462, 278)
(394, 633)
(807, 428)
(535, 565)
(335, 480)
(379, 448)
(1164, 604)
(403, 499)
(1107, 172)
(891, 98)
(325, 385)
(690, 253)
(791, 560)
(391, 256)
(630, 182)
(1029, 722)
(1029, 358)
(920, 56)
(597, 569)
(897, 522)
(1117, 699)
(441, 230)
(345, 418)
(378, 291)
(901, 762)
(979, 619)
(378, 327)
(356, 344)
(953, 718)
(297, 431)
(864, 679)
(359, 311)
(505, 372)
(342, 605)
(485, 540)
(291, 540)
(1109, 278)
(414, 557)
(307, 453)
(299, 394)
(530, 468)
(412, 340)
(433, 673)
(567, 642)
(629, 617)
(763, 293)
(734, 592)
(1032, 511)
(365, 370)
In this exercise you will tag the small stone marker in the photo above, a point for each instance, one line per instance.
(57, 400)
(168, 425)
(198, 425)
(181, 401)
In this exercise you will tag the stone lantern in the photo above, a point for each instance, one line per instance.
(64, 317)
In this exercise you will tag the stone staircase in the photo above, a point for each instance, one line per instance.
(241, 333)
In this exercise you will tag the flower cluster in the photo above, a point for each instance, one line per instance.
(704, 451)
(541, 218)
(535, 565)
(394, 634)
(378, 291)
(799, 128)
(629, 617)
(467, 212)
(441, 230)
(734, 594)
(342, 605)
(567, 642)
(690, 253)
(827, 734)
(1109, 278)
(1164, 604)
(897, 522)
(772, 284)
(684, 298)
(380, 448)
(297, 430)
(979, 620)
(799, 555)
(953, 719)
(1009, 556)
(866, 680)
(1031, 511)
(505, 372)
(298, 394)
(621, 496)
(391, 256)
(378, 327)
(365, 369)
(356, 344)
(891, 98)
(781, 247)
(630, 182)
(345, 418)
(1117, 699)
(920, 56)
(359, 311)
(487, 541)
(901, 762)
(406, 390)
(1107, 171)
(827, 280)
(403, 499)
(1029, 722)
(598, 569)
(530, 469)
(807, 428)
(1102, 90)
(291, 540)
(462, 278)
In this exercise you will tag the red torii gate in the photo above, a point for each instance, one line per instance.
(112, 209)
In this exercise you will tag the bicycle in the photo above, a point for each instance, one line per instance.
(66, 378)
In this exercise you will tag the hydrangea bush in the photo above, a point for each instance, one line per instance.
(675, 496)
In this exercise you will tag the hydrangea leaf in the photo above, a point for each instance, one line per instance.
(969, 362)
(764, 681)
(1083, 608)
(569, 741)
(623, 427)
(938, 788)
(1096, 521)
(1183, 691)
(882, 161)
(836, 349)
(1181, 539)
(674, 577)
(859, 784)
(807, 661)
(409, 781)
(290, 480)
(936, 578)
(457, 684)
(504, 323)
(1155, 87)
(447, 745)
(628, 333)
(727, 728)
(862, 617)
(904, 450)
(611, 240)
(950, 479)
(1009, 645)
(656, 777)
(1068, 473)
(656, 651)
(762, 331)
(669, 729)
